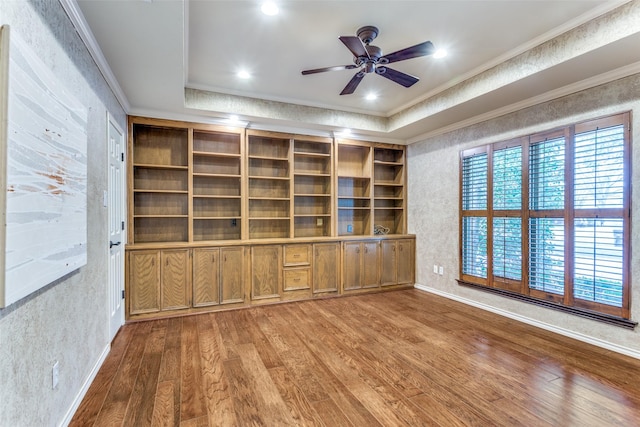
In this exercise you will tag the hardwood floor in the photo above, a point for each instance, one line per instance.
(389, 359)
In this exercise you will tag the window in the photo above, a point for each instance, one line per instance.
(547, 217)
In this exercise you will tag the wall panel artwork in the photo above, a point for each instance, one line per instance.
(43, 176)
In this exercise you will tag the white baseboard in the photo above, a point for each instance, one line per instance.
(85, 387)
(571, 334)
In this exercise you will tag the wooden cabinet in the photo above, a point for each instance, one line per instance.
(158, 280)
(143, 282)
(398, 262)
(326, 267)
(266, 272)
(360, 265)
(206, 278)
(175, 275)
(218, 276)
(297, 268)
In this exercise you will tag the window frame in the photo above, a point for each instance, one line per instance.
(520, 288)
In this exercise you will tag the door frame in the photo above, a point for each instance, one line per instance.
(123, 203)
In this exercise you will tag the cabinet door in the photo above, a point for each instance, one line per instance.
(144, 282)
(388, 264)
(406, 261)
(232, 274)
(266, 271)
(175, 279)
(326, 267)
(370, 264)
(351, 266)
(206, 277)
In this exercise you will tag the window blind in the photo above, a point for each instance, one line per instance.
(598, 168)
(507, 178)
(546, 254)
(507, 248)
(474, 182)
(474, 246)
(546, 174)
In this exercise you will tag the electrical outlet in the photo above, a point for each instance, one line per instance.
(349, 228)
(55, 375)
(441, 270)
(319, 222)
(435, 268)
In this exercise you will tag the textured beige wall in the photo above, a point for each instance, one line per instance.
(433, 192)
(68, 320)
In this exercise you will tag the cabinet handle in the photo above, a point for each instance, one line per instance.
(153, 262)
(225, 258)
(366, 250)
(357, 250)
(296, 255)
(400, 248)
(167, 262)
(393, 248)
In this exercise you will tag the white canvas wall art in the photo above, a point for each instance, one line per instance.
(44, 174)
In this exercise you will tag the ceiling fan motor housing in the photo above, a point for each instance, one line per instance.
(367, 33)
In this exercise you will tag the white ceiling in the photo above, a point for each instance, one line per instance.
(157, 48)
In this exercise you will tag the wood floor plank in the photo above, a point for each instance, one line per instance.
(192, 404)
(163, 405)
(140, 408)
(400, 358)
(90, 406)
(117, 401)
(214, 382)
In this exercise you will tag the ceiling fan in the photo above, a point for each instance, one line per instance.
(369, 59)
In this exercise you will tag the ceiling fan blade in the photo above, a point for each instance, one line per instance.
(421, 49)
(336, 68)
(403, 79)
(355, 46)
(353, 84)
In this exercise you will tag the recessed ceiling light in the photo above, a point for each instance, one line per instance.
(269, 8)
(440, 53)
(371, 97)
(243, 74)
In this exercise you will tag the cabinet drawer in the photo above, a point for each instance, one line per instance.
(297, 278)
(297, 254)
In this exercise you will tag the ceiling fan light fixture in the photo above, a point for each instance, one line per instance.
(269, 8)
(243, 74)
(440, 53)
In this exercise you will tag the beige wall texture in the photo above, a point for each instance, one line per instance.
(68, 320)
(433, 206)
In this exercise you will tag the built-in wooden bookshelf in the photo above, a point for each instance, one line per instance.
(354, 189)
(313, 172)
(192, 183)
(160, 193)
(222, 217)
(217, 186)
(269, 186)
(388, 193)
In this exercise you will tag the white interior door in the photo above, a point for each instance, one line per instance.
(115, 203)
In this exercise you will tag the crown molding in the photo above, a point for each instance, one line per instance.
(77, 19)
(598, 80)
